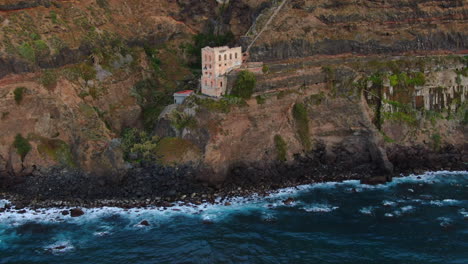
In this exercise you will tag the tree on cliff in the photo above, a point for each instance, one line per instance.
(22, 146)
(245, 85)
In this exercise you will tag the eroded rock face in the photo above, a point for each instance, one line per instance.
(306, 28)
(61, 127)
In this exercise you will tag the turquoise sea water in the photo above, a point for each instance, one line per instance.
(410, 220)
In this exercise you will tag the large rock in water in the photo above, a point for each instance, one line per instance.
(144, 223)
(76, 212)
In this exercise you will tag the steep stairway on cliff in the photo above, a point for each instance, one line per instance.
(252, 29)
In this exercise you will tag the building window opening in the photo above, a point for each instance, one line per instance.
(230, 56)
(221, 84)
(225, 56)
(235, 55)
(219, 57)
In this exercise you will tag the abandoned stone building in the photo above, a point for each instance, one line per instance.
(216, 63)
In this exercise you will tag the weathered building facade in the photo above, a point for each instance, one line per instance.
(216, 63)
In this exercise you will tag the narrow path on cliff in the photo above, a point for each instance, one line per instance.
(266, 24)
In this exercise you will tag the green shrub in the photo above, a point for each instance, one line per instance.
(463, 72)
(316, 99)
(22, 146)
(265, 69)
(245, 85)
(376, 79)
(418, 79)
(139, 144)
(386, 138)
(181, 120)
(18, 93)
(56, 149)
(281, 148)
(284, 93)
(87, 72)
(302, 124)
(202, 40)
(152, 55)
(222, 105)
(401, 117)
(83, 70)
(53, 17)
(151, 100)
(404, 79)
(401, 112)
(260, 99)
(57, 44)
(27, 51)
(40, 47)
(458, 79)
(93, 92)
(102, 3)
(49, 79)
(436, 141)
(393, 80)
(35, 36)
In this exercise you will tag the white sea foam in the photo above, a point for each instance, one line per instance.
(407, 208)
(464, 213)
(388, 203)
(60, 247)
(102, 234)
(3, 203)
(219, 211)
(320, 208)
(445, 222)
(403, 210)
(369, 210)
(445, 202)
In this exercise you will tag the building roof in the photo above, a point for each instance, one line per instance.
(186, 92)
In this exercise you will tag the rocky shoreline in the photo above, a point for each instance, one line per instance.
(156, 185)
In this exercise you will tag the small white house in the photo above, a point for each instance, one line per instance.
(180, 97)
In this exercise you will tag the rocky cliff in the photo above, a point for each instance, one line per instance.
(355, 111)
(305, 28)
(355, 86)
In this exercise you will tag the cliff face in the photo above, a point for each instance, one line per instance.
(345, 102)
(305, 28)
(75, 74)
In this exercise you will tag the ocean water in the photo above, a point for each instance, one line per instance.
(410, 220)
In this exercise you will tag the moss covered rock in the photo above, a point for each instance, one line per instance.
(177, 151)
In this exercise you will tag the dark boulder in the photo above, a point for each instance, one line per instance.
(76, 212)
(144, 223)
(289, 201)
